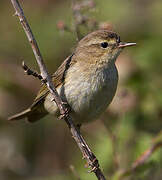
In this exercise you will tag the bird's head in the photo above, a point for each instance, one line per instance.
(101, 46)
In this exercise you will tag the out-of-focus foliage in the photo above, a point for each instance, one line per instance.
(45, 150)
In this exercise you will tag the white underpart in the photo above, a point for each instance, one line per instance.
(88, 94)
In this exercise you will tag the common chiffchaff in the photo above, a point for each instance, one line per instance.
(86, 80)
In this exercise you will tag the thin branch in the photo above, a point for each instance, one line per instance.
(114, 141)
(28, 71)
(87, 153)
(75, 173)
(146, 155)
(82, 20)
(141, 160)
(75, 23)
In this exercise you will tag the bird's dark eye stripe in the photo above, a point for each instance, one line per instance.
(104, 44)
(118, 40)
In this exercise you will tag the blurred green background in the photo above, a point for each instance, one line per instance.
(45, 150)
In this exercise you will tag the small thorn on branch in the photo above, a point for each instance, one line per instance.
(15, 14)
(28, 71)
(92, 170)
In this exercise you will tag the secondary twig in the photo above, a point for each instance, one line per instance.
(82, 20)
(87, 153)
(28, 71)
(72, 168)
(76, 14)
(145, 156)
(113, 138)
(141, 160)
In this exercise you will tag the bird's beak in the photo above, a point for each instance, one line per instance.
(124, 44)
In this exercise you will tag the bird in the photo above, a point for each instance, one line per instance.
(87, 80)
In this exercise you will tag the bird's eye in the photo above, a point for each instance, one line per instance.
(104, 44)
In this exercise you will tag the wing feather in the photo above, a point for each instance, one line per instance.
(57, 78)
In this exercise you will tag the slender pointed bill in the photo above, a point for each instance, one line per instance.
(123, 45)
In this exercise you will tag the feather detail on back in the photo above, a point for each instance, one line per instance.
(57, 78)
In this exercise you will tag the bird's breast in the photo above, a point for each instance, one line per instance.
(89, 91)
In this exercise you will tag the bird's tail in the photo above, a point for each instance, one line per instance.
(31, 114)
(20, 115)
